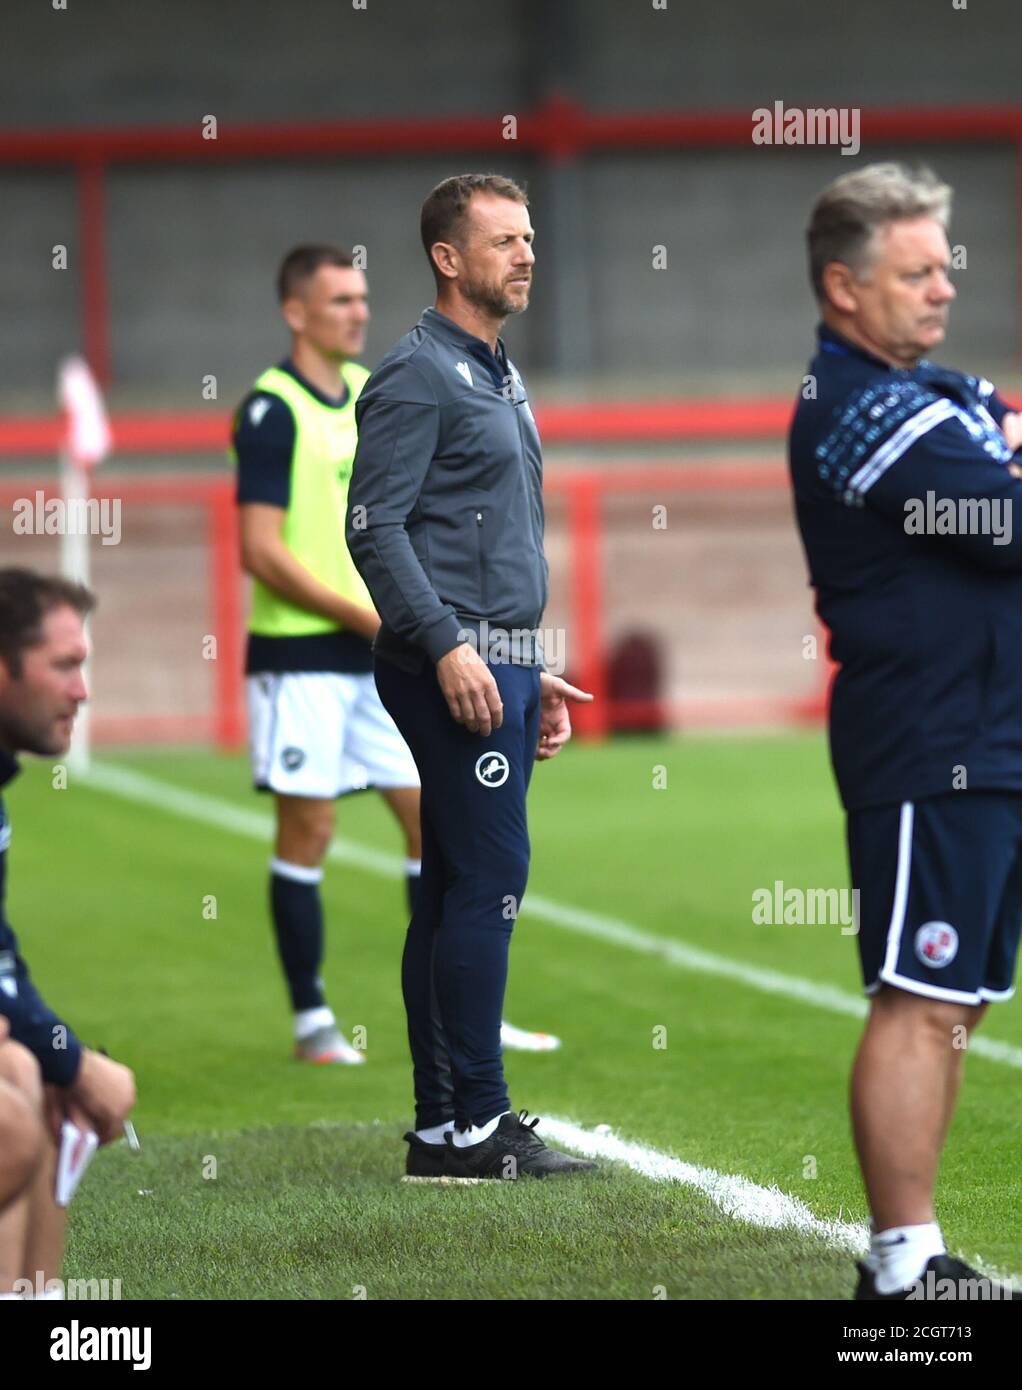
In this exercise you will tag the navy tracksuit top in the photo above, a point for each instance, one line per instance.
(911, 521)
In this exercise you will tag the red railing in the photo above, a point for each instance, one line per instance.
(224, 724)
(582, 492)
(558, 130)
(28, 436)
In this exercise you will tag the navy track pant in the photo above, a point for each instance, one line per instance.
(475, 862)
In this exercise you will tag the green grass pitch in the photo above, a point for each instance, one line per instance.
(263, 1178)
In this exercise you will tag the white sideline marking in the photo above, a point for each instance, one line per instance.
(735, 1196)
(211, 810)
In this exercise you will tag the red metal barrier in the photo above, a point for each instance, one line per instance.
(225, 723)
(577, 422)
(558, 130)
(583, 492)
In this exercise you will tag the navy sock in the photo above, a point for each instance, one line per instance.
(298, 923)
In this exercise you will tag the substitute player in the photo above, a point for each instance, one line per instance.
(46, 1075)
(925, 620)
(445, 522)
(316, 724)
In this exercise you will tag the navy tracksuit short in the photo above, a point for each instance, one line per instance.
(475, 862)
(940, 894)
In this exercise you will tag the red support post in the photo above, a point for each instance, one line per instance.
(225, 585)
(1018, 236)
(588, 666)
(93, 265)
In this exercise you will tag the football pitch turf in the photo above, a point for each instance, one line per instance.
(140, 900)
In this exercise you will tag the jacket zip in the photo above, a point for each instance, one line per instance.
(523, 453)
(482, 564)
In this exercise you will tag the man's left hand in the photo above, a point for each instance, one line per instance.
(554, 721)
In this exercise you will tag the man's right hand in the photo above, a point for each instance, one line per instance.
(472, 694)
(104, 1091)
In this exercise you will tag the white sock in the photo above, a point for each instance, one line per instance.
(475, 1134)
(299, 873)
(435, 1134)
(308, 1020)
(413, 867)
(4, 1297)
(902, 1253)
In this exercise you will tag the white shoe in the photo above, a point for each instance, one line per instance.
(327, 1045)
(518, 1040)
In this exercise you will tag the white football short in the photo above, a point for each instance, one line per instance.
(322, 734)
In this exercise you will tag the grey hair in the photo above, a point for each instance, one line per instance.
(849, 212)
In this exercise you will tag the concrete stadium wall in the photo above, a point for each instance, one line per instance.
(193, 249)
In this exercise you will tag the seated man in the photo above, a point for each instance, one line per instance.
(46, 1075)
(22, 1153)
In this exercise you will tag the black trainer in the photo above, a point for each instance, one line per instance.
(965, 1283)
(513, 1150)
(425, 1162)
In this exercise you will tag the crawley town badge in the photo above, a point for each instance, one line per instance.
(936, 944)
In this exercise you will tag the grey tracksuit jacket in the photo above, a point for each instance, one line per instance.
(445, 504)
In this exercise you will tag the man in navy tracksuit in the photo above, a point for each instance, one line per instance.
(910, 509)
(445, 524)
(46, 1075)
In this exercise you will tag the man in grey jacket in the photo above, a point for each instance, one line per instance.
(445, 524)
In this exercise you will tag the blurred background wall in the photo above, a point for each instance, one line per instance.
(192, 245)
(632, 122)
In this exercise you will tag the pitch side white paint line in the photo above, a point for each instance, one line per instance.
(256, 825)
(735, 1196)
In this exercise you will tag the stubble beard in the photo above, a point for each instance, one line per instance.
(491, 299)
(18, 736)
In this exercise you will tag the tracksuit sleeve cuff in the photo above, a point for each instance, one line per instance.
(442, 637)
(60, 1066)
